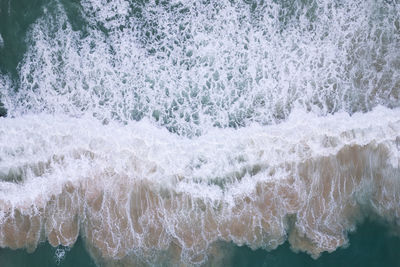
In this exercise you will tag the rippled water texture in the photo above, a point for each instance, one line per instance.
(172, 132)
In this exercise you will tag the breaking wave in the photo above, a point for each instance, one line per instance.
(138, 193)
(162, 131)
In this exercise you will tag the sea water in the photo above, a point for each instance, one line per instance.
(211, 133)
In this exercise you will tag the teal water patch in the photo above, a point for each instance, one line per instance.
(16, 16)
(372, 245)
(46, 255)
(3, 111)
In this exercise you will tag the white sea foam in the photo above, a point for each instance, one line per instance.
(191, 66)
(1, 41)
(136, 192)
(161, 131)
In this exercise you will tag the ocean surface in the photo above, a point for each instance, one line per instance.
(199, 133)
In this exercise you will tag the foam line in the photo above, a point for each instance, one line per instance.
(136, 192)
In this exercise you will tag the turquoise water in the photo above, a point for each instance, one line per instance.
(46, 255)
(371, 245)
(199, 133)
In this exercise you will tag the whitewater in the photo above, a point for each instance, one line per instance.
(159, 132)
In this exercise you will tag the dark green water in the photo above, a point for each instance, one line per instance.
(371, 246)
(45, 255)
(15, 19)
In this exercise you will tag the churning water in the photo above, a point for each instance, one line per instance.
(160, 132)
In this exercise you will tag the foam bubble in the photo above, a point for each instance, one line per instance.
(139, 194)
(60, 254)
(1, 42)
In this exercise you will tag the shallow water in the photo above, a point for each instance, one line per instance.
(371, 245)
